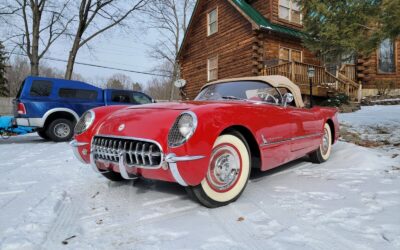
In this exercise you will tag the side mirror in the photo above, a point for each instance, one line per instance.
(153, 101)
(287, 99)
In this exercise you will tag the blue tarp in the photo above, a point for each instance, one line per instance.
(6, 126)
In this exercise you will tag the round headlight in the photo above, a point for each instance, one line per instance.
(84, 122)
(183, 129)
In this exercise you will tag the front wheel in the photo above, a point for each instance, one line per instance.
(228, 172)
(113, 176)
(324, 151)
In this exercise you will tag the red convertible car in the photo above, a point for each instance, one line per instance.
(208, 145)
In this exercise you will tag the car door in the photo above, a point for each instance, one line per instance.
(278, 129)
(305, 134)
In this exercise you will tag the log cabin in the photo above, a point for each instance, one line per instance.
(237, 38)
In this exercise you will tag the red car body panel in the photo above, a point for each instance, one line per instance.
(282, 134)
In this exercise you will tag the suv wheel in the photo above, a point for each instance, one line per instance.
(60, 130)
(42, 134)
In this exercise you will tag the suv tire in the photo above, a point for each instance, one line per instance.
(60, 130)
(42, 133)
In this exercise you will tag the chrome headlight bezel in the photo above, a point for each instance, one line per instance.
(176, 137)
(85, 122)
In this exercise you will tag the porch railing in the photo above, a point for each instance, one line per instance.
(297, 72)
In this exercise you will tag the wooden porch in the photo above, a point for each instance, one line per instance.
(325, 84)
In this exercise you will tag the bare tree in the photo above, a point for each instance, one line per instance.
(121, 81)
(160, 88)
(111, 13)
(170, 18)
(35, 24)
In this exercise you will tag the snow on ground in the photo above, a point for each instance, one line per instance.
(350, 202)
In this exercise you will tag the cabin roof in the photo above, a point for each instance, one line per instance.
(263, 23)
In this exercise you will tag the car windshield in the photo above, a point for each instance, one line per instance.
(241, 90)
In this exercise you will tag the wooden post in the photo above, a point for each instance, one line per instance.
(293, 75)
(359, 92)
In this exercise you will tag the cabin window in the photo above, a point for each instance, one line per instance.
(290, 10)
(212, 68)
(212, 21)
(290, 55)
(387, 57)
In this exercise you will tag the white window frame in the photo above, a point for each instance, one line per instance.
(211, 69)
(209, 22)
(290, 53)
(291, 3)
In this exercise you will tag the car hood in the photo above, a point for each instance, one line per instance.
(165, 105)
(147, 123)
(153, 121)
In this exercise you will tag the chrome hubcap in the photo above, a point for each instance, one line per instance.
(325, 142)
(62, 130)
(224, 168)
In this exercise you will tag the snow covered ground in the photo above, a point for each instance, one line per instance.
(48, 200)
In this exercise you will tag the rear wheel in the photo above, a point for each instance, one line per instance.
(60, 130)
(324, 151)
(113, 176)
(228, 172)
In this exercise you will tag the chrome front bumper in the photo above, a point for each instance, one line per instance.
(171, 159)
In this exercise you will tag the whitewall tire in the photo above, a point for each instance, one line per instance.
(323, 153)
(228, 172)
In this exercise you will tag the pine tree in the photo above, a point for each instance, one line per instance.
(4, 91)
(349, 27)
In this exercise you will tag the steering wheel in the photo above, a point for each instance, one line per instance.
(268, 95)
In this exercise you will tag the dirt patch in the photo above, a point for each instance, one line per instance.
(355, 137)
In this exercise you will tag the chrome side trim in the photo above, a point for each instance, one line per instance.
(123, 166)
(289, 140)
(74, 144)
(172, 160)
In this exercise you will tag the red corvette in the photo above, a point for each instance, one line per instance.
(211, 144)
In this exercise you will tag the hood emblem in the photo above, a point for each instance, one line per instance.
(121, 127)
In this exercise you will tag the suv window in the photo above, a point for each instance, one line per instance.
(41, 88)
(121, 96)
(129, 97)
(78, 94)
(140, 98)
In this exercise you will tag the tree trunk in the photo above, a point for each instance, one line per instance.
(71, 58)
(34, 58)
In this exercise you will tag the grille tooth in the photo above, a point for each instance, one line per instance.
(109, 155)
(150, 154)
(137, 153)
(130, 153)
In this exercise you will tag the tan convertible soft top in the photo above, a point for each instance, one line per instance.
(276, 81)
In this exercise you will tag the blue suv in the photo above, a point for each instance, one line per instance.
(53, 106)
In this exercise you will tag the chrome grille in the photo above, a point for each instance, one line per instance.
(138, 153)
